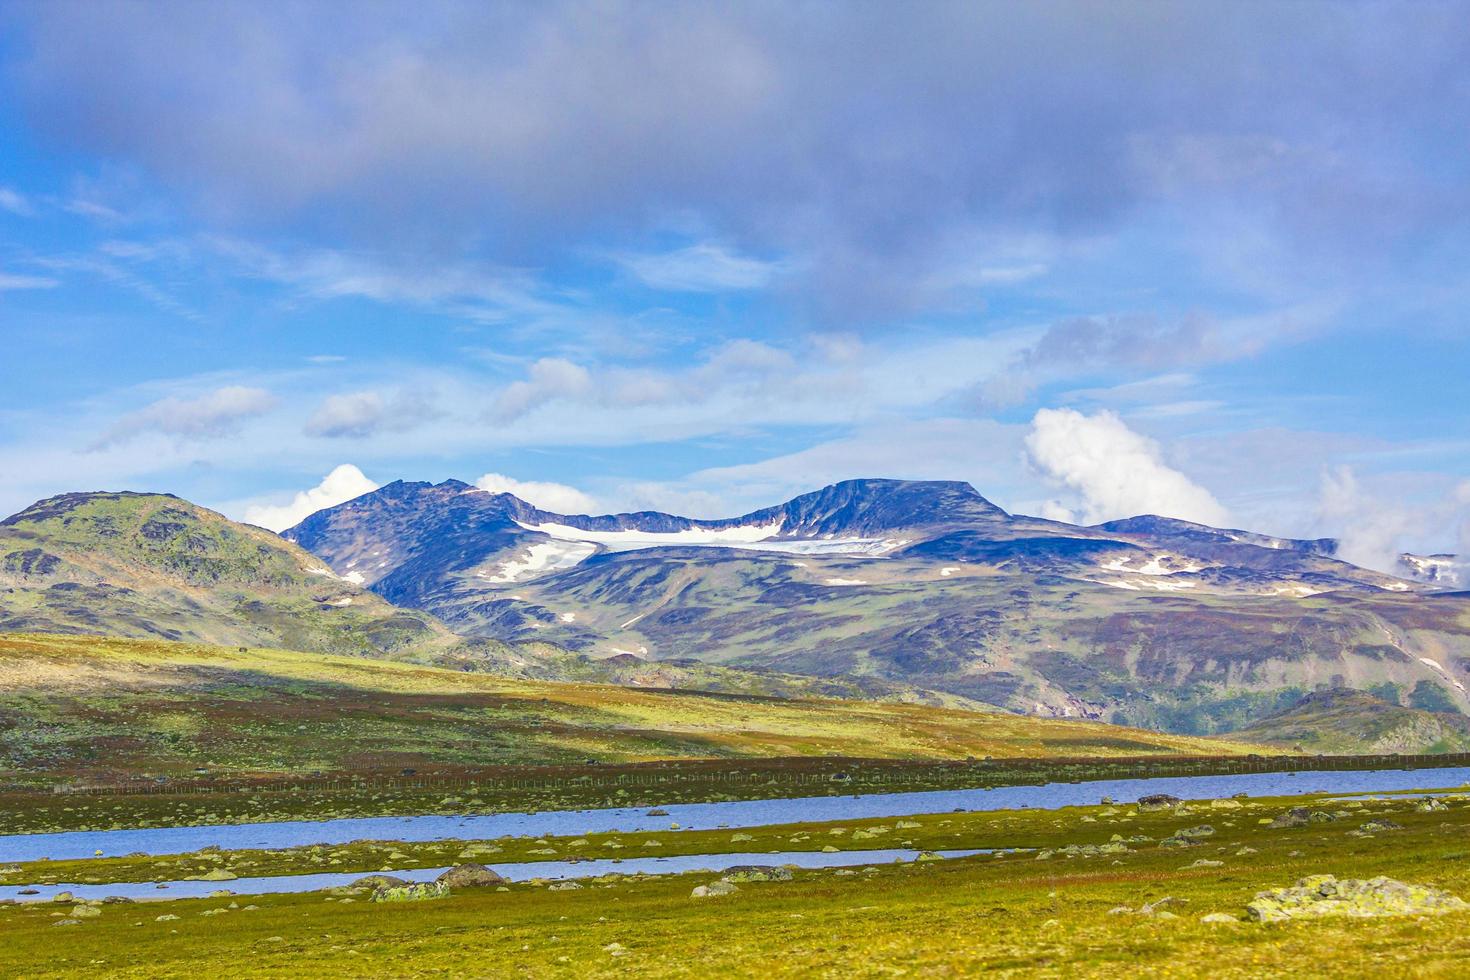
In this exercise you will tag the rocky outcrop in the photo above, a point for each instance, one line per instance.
(470, 876)
(1325, 895)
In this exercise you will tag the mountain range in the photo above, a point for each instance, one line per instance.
(873, 589)
(1145, 621)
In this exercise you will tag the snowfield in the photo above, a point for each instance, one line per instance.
(750, 537)
(544, 556)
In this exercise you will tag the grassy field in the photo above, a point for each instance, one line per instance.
(83, 708)
(1017, 914)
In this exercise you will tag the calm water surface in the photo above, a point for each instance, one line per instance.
(549, 870)
(703, 816)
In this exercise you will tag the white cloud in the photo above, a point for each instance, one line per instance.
(358, 414)
(215, 413)
(15, 202)
(556, 497)
(705, 268)
(548, 379)
(1373, 531)
(339, 486)
(1114, 471)
(26, 282)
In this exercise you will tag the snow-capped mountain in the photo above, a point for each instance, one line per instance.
(1148, 620)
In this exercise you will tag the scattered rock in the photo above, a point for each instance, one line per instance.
(469, 876)
(1431, 805)
(1378, 826)
(1221, 917)
(218, 874)
(1300, 816)
(657, 811)
(379, 881)
(1157, 801)
(1083, 850)
(756, 872)
(1326, 895)
(564, 886)
(715, 889)
(418, 891)
(1156, 907)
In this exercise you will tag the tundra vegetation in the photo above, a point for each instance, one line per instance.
(1230, 888)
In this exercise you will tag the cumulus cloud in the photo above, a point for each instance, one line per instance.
(1113, 471)
(548, 379)
(556, 497)
(1373, 530)
(703, 267)
(359, 414)
(344, 483)
(211, 415)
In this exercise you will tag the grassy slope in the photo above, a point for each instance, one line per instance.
(1011, 916)
(1348, 722)
(83, 706)
(152, 565)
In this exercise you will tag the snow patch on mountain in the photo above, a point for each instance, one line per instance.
(1440, 667)
(747, 537)
(544, 556)
(1156, 565)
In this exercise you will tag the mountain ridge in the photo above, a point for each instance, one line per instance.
(1146, 620)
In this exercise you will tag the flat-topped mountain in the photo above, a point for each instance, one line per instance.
(1148, 620)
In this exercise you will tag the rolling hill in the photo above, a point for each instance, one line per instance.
(1343, 722)
(99, 708)
(152, 565)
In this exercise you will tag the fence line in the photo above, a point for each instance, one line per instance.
(849, 772)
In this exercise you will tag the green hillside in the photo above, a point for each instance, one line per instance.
(1352, 722)
(101, 708)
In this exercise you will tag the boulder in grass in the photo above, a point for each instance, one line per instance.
(1157, 801)
(1320, 896)
(379, 881)
(470, 876)
(417, 891)
(715, 889)
(756, 872)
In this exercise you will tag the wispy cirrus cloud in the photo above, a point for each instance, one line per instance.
(702, 267)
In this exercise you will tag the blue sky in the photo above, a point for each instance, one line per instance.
(1199, 259)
